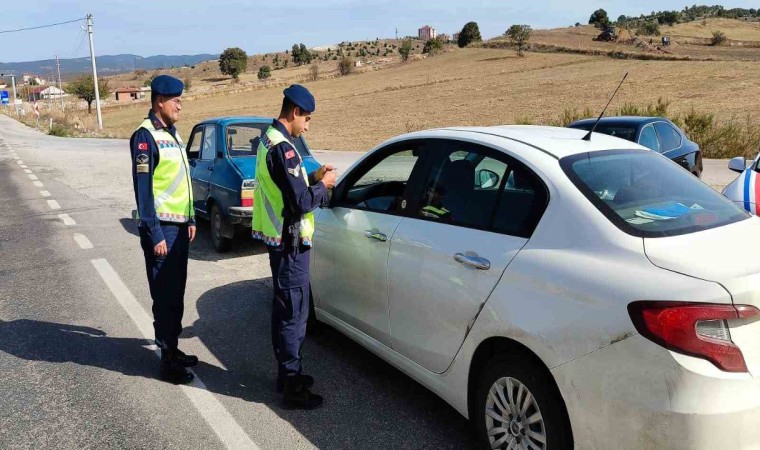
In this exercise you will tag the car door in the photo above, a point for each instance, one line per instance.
(478, 209)
(671, 144)
(193, 157)
(204, 168)
(353, 236)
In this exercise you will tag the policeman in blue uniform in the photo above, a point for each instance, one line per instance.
(166, 220)
(289, 258)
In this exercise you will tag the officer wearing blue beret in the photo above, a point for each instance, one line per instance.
(164, 196)
(284, 198)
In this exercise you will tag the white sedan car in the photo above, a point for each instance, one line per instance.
(745, 189)
(556, 291)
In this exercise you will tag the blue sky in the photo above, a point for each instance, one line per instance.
(195, 26)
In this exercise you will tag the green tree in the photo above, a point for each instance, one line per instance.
(405, 49)
(233, 62)
(519, 36)
(433, 46)
(264, 72)
(648, 29)
(470, 33)
(84, 88)
(599, 19)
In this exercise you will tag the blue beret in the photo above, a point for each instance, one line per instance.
(166, 85)
(301, 97)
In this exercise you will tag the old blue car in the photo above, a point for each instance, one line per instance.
(656, 133)
(222, 156)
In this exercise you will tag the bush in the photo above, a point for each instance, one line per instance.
(346, 65)
(433, 47)
(648, 29)
(264, 72)
(233, 62)
(58, 130)
(405, 49)
(314, 72)
(718, 38)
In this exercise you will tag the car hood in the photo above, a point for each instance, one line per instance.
(727, 255)
(247, 165)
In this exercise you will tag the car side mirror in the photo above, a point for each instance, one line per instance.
(737, 164)
(487, 179)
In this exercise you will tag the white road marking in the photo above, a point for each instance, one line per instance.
(19, 162)
(29, 170)
(24, 166)
(39, 184)
(213, 412)
(32, 177)
(45, 193)
(53, 204)
(66, 219)
(83, 242)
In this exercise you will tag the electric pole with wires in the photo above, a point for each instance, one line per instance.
(60, 89)
(94, 71)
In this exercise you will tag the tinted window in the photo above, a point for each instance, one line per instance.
(627, 132)
(193, 150)
(381, 186)
(648, 138)
(477, 187)
(647, 195)
(208, 149)
(669, 137)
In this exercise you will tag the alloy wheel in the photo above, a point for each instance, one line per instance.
(513, 417)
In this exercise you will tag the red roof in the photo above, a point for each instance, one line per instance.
(127, 90)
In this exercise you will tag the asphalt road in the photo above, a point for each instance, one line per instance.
(77, 370)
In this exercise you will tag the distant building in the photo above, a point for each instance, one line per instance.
(35, 93)
(444, 37)
(426, 33)
(129, 94)
(455, 37)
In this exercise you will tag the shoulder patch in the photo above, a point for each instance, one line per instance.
(142, 168)
(141, 159)
(290, 154)
(295, 171)
(142, 146)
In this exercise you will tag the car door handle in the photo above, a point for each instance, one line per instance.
(211, 168)
(473, 261)
(375, 235)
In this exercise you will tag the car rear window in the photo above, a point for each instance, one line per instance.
(627, 132)
(647, 195)
(243, 140)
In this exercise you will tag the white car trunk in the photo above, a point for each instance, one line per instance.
(729, 255)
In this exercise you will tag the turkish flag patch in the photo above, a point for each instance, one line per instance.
(290, 154)
(142, 146)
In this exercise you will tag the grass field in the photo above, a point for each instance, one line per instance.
(478, 87)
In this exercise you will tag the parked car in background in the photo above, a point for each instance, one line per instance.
(556, 291)
(222, 156)
(745, 189)
(656, 133)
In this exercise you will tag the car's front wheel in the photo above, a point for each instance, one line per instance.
(221, 244)
(517, 407)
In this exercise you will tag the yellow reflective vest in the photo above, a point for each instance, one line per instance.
(172, 191)
(268, 203)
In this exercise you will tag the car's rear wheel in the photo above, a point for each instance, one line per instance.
(517, 408)
(221, 244)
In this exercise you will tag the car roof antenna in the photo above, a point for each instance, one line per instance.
(587, 137)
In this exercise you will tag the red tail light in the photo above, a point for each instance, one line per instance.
(694, 329)
(246, 201)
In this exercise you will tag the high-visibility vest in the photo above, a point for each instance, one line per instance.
(268, 204)
(432, 211)
(172, 194)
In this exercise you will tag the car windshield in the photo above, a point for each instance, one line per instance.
(623, 131)
(243, 140)
(647, 195)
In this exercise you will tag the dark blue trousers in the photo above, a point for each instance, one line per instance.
(290, 305)
(167, 277)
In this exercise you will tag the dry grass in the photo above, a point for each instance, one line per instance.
(736, 30)
(478, 87)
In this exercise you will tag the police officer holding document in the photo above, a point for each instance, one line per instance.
(166, 216)
(284, 198)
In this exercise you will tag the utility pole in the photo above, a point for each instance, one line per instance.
(94, 71)
(397, 33)
(60, 89)
(48, 89)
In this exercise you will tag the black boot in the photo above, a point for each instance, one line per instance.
(185, 360)
(172, 370)
(298, 396)
(306, 380)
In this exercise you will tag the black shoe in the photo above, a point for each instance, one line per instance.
(306, 380)
(298, 396)
(173, 372)
(185, 360)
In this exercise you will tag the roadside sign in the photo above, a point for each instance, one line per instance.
(4, 97)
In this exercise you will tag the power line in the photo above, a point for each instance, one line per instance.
(41, 26)
(78, 45)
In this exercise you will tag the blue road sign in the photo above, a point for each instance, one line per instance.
(4, 98)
